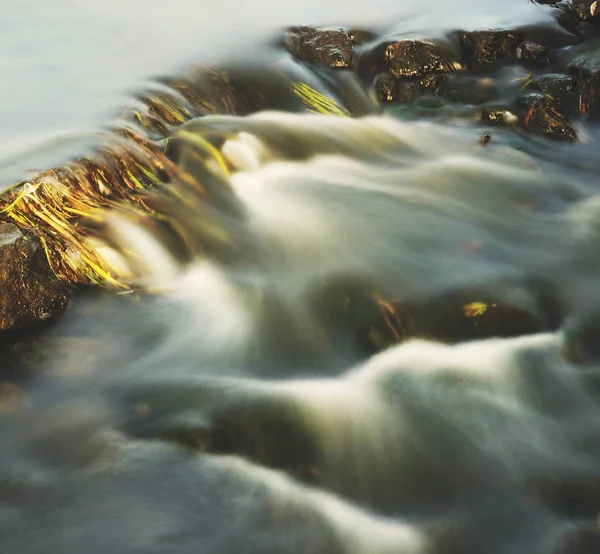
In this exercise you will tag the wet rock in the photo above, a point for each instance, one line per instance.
(390, 89)
(563, 90)
(544, 119)
(385, 87)
(452, 317)
(587, 10)
(533, 55)
(585, 66)
(415, 58)
(327, 48)
(29, 290)
(348, 306)
(484, 50)
(432, 82)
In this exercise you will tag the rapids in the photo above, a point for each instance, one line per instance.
(242, 402)
(233, 412)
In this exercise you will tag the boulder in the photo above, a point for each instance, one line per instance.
(533, 55)
(326, 48)
(543, 118)
(484, 50)
(385, 87)
(584, 65)
(29, 290)
(416, 58)
(563, 90)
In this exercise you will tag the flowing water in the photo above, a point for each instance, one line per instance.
(239, 409)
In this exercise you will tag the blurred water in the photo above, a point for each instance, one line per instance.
(68, 68)
(239, 408)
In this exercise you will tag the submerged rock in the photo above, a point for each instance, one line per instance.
(29, 290)
(385, 87)
(328, 48)
(585, 66)
(486, 49)
(532, 54)
(415, 58)
(543, 118)
(563, 90)
(414, 68)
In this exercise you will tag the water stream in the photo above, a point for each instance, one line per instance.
(239, 408)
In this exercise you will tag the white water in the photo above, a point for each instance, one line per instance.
(294, 440)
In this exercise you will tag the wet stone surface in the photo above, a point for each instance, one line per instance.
(320, 47)
(543, 118)
(485, 50)
(414, 58)
(533, 55)
(29, 290)
(563, 89)
(585, 67)
(494, 70)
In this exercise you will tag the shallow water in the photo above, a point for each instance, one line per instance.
(243, 407)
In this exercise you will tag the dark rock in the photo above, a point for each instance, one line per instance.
(485, 139)
(585, 66)
(347, 306)
(390, 89)
(385, 87)
(320, 47)
(587, 10)
(29, 290)
(432, 82)
(563, 90)
(533, 55)
(544, 119)
(484, 50)
(535, 98)
(415, 58)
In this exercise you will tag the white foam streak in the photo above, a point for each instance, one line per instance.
(360, 532)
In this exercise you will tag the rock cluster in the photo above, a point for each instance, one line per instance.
(518, 77)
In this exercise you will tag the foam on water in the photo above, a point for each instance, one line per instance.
(208, 427)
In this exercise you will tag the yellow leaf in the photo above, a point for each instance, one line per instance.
(475, 309)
